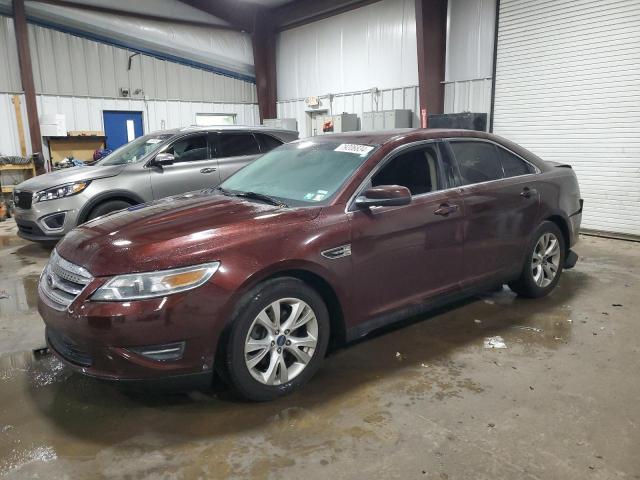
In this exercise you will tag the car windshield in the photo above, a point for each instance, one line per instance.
(135, 150)
(301, 173)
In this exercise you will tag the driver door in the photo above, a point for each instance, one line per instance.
(404, 255)
(194, 168)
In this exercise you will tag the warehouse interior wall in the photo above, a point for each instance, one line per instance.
(79, 78)
(469, 57)
(342, 58)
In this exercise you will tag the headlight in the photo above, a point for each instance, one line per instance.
(137, 286)
(61, 191)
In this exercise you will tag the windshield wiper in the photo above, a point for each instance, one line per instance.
(223, 191)
(252, 195)
(262, 197)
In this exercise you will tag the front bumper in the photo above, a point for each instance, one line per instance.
(33, 222)
(98, 339)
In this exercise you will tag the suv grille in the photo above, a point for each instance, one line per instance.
(61, 282)
(67, 348)
(22, 199)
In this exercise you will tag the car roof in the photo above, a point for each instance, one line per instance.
(219, 128)
(381, 137)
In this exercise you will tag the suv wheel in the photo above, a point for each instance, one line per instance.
(107, 207)
(278, 340)
(543, 266)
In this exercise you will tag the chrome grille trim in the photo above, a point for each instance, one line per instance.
(61, 282)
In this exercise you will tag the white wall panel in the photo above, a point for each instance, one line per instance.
(470, 36)
(9, 67)
(469, 58)
(354, 102)
(9, 139)
(568, 88)
(85, 113)
(372, 46)
(65, 64)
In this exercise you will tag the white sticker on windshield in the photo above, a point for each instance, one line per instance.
(154, 140)
(354, 148)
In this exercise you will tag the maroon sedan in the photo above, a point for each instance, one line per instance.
(321, 239)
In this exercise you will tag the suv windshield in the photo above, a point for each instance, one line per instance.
(135, 149)
(300, 173)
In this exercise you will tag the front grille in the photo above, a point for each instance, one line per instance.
(22, 199)
(69, 350)
(61, 282)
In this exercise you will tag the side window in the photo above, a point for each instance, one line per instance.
(477, 161)
(416, 170)
(512, 165)
(190, 149)
(267, 142)
(236, 144)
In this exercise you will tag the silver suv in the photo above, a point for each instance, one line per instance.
(157, 165)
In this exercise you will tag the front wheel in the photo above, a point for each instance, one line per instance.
(278, 340)
(544, 262)
(107, 207)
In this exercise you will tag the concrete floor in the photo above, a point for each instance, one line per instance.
(425, 400)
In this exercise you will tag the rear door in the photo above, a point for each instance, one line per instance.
(234, 150)
(406, 254)
(193, 169)
(501, 207)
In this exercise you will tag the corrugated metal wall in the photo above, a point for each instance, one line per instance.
(65, 64)
(469, 60)
(568, 88)
(372, 46)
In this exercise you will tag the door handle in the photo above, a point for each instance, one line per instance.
(528, 192)
(208, 170)
(445, 209)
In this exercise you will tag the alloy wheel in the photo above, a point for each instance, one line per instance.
(545, 260)
(281, 341)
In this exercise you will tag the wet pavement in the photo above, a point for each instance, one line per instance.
(423, 400)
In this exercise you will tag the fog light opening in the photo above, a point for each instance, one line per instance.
(55, 221)
(161, 353)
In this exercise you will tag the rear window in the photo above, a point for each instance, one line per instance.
(514, 166)
(267, 142)
(236, 144)
(477, 161)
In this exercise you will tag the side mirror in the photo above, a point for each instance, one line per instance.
(384, 196)
(163, 159)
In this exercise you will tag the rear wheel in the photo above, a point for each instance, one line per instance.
(278, 341)
(107, 207)
(543, 266)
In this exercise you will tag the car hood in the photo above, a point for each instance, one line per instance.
(69, 175)
(173, 232)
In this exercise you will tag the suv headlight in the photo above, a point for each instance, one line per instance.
(138, 286)
(61, 191)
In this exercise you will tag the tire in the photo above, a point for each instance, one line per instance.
(107, 207)
(262, 365)
(543, 264)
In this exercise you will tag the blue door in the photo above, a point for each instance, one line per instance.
(121, 127)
